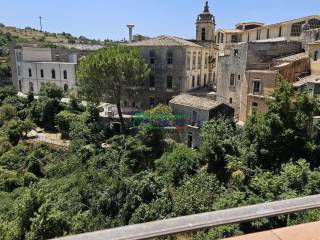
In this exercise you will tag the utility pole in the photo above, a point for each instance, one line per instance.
(40, 23)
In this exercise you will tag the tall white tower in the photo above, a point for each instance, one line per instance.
(130, 27)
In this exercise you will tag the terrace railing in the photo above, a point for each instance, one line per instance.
(202, 221)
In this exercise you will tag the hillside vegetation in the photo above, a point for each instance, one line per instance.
(47, 192)
(29, 34)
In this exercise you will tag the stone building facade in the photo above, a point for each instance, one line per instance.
(33, 65)
(247, 77)
(177, 65)
(197, 111)
(291, 30)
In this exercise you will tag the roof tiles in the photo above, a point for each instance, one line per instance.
(164, 41)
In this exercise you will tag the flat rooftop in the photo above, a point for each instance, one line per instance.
(310, 231)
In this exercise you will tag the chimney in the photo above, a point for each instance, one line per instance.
(130, 27)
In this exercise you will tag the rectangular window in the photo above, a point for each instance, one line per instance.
(239, 77)
(296, 29)
(254, 107)
(170, 58)
(280, 32)
(268, 33)
(169, 82)
(234, 38)
(199, 61)
(151, 81)
(65, 74)
(41, 73)
(19, 56)
(151, 102)
(188, 62)
(194, 61)
(30, 72)
(236, 52)
(194, 118)
(190, 144)
(258, 34)
(193, 81)
(256, 87)
(315, 55)
(198, 80)
(152, 58)
(232, 82)
(206, 61)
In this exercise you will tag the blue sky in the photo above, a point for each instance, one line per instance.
(103, 19)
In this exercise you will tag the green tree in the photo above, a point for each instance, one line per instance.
(109, 72)
(196, 194)
(175, 165)
(64, 120)
(219, 139)
(44, 111)
(7, 112)
(51, 90)
(285, 131)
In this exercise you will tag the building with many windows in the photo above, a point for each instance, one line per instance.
(33, 65)
(247, 77)
(291, 30)
(177, 65)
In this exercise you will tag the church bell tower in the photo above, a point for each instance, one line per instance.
(205, 25)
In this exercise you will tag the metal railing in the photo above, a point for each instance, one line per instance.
(202, 221)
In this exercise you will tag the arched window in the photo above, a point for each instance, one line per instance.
(53, 74)
(65, 74)
(170, 58)
(65, 87)
(152, 57)
(203, 34)
(31, 87)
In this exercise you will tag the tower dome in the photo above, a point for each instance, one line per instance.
(205, 25)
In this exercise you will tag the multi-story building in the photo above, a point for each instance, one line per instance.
(253, 54)
(247, 77)
(196, 111)
(312, 83)
(177, 65)
(33, 65)
(253, 31)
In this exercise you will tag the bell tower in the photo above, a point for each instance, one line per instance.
(205, 25)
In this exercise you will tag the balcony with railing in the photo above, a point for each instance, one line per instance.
(203, 221)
